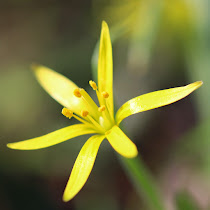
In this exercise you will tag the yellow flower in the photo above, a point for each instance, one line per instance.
(99, 120)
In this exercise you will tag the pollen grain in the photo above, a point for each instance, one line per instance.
(84, 113)
(67, 113)
(93, 85)
(77, 93)
(101, 108)
(105, 94)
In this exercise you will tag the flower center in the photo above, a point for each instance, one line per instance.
(98, 117)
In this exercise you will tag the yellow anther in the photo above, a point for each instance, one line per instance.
(105, 94)
(101, 108)
(77, 93)
(67, 113)
(93, 85)
(84, 113)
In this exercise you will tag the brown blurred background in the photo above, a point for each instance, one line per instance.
(156, 45)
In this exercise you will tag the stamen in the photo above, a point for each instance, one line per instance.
(84, 113)
(67, 113)
(77, 93)
(93, 85)
(90, 105)
(95, 123)
(105, 94)
(101, 108)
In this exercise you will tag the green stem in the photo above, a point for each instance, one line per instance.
(142, 181)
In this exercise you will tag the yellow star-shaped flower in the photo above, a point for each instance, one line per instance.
(98, 120)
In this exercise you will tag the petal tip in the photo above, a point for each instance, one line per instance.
(36, 67)
(133, 154)
(68, 195)
(195, 85)
(65, 198)
(199, 83)
(104, 24)
(11, 145)
(40, 69)
(14, 146)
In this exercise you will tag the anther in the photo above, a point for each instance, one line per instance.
(93, 85)
(67, 113)
(105, 94)
(77, 93)
(84, 113)
(101, 108)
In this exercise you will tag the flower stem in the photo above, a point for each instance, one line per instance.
(142, 181)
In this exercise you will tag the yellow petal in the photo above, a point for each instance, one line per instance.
(154, 100)
(82, 167)
(105, 66)
(60, 88)
(121, 143)
(53, 138)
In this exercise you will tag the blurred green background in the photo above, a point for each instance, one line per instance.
(157, 44)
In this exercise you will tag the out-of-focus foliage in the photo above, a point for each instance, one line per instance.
(185, 202)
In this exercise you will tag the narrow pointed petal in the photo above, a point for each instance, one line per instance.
(82, 167)
(60, 88)
(154, 100)
(105, 65)
(121, 143)
(53, 138)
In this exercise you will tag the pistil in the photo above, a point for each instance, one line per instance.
(93, 121)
